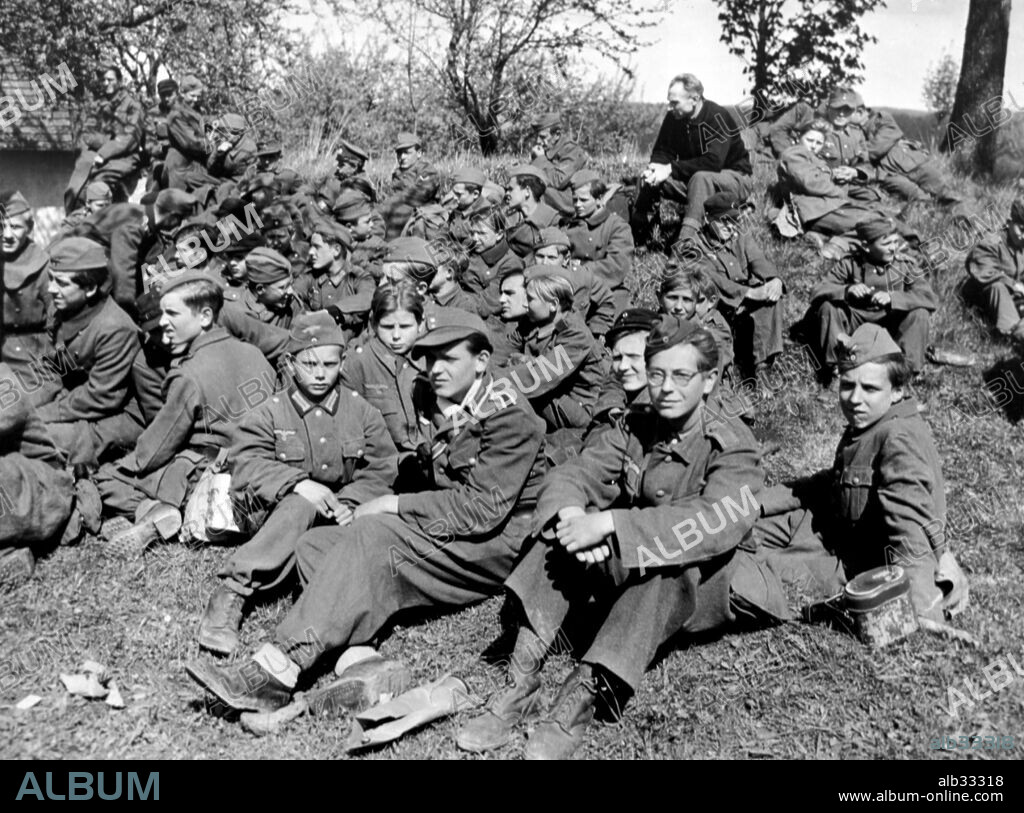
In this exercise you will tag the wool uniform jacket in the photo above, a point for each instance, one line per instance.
(808, 180)
(486, 464)
(155, 134)
(217, 382)
(118, 132)
(559, 164)
(231, 164)
(905, 279)
(418, 185)
(186, 133)
(387, 382)
(26, 302)
(883, 500)
(524, 233)
(679, 502)
(339, 441)
(993, 260)
(708, 142)
(248, 305)
(101, 340)
(320, 291)
(603, 243)
(483, 276)
(739, 265)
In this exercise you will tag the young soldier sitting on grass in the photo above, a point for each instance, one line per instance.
(269, 295)
(593, 299)
(881, 285)
(882, 502)
(609, 546)
(491, 258)
(217, 380)
(749, 289)
(332, 281)
(91, 329)
(445, 289)
(530, 215)
(444, 547)
(464, 201)
(688, 292)
(995, 276)
(556, 361)
(310, 454)
(626, 383)
(366, 226)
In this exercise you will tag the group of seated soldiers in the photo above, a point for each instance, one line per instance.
(427, 398)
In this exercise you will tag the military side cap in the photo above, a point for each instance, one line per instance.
(528, 170)
(546, 121)
(351, 152)
(269, 148)
(1017, 211)
(350, 206)
(276, 216)
(470, 175)
(266, 266)
(869, 342)
(332, 232)
(77, 254)
(452, 325)
(315, 329)
(583, 177)
(97, 190)
(15, 204)
(147, 308)
(190, 83)
(172, 281)
(406, 140)
(667, 332)
(552, 236)
(844, 97)
(721, 206)
(166, 86)
(411, 250)
(875, 229)
(175, 201)
(631, 320)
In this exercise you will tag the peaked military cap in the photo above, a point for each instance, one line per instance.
(166, 86)
(266, 266)
(721, 206)
(147, 308)
(667, 332)
(351, 152)
(631, 320)
(269, 148)
(869, 342)
(407, 140)
(451, 325)
(77, 254)
(844, 97)
(546, 121)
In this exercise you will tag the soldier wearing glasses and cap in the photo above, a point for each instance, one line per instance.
(415, 182)
(418, 550)
(310, 455)
(618, 538)
(883, 500)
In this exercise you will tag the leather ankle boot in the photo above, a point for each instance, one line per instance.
(218, 631)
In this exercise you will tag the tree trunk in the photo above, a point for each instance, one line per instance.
(978, 108)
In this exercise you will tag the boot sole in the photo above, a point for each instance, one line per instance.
(198, 672)
(212, 643)
(356, 693)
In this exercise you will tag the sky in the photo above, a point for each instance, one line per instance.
(912, 36)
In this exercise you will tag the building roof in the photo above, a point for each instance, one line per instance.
(56, 119)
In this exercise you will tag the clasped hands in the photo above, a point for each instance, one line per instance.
(585, 535)
(880, 299)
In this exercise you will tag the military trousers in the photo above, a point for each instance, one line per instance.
(125, 494)
(268, 558)
(911, 173)
(634, 615)
(908, 328)
(359, 576)
(36, 500)
(757, 330)
(120, 174)
(94, 442)
(997, 300)
(844, 219)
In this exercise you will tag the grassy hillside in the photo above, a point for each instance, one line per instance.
(792, 691)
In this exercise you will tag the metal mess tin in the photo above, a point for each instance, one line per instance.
(878, 600)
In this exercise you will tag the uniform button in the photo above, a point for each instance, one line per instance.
(359, 452)
(276, 399)
(324, 467)
(17, 349)
(856, 480)
(323, 440)
(472, 461)
(319, 412)
(659, 493)
(282, 455)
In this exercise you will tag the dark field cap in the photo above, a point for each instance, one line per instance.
(632, 320)
(667, 332)
(452, 325)
(868, 343)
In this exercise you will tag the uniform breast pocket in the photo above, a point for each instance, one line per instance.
(353, 452)
(462, 457)
(854, 492)
(289, 449)
(631, 477)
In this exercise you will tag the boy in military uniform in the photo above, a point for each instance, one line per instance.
(601, 240)
(688, 292)
(995, 276)
(186, 135)
(529, 214)
(415, 182)
(883, 500)
(366, 226)
(24, 340)
(218, 380)
(91, 329)
(593, 299)
(558, 157)
(618, 540)
(97, 198)
(464, 200)
(269, 293)
(626, 383)
(444, 547)
(332, 277)
(310, 454)
(749, 289)
(490, 259)
(881, 285)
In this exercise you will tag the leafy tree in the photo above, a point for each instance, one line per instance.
(978, 109)
(231, 44)
(940, 85)
(782, 39)
(498, 59)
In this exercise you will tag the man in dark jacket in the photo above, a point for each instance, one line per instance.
(698, 152)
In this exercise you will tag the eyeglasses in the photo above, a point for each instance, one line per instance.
(680, 378)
